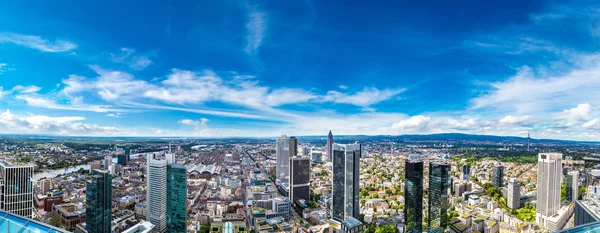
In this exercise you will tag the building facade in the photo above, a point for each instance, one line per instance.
(156, 192)
(514, 194)
(176, 198)
(16, 189)
(466, 171)
(572, 186)
(282, 168)
(346, 181)
(98, 201)
(439, 193)
(498, 176)
(330, 146)
(549, 181)
(300, 178)
(413, 192)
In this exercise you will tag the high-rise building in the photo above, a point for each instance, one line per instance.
(107, 162)
(316, 156)
(98, 212)
(514, 194)
(156, 192)
(466, 171)
(498, 176)
(305, 151)
(16, 188)
(123, 159)
(330, 146)
(283, 160)
(413, 192)
(94, 165)
(176, 198)
(293, 143)
(45, 185)
(439, 193)
(548, 184)
(346, 180)
(572, 186)
(299, 178)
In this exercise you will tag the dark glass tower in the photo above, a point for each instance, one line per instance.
(98, 200)
(300, 179)
(466, 170)
(346, 180)
(176, 198)
(413, 192)
(123, 159)
(498, 176)
(439, 191)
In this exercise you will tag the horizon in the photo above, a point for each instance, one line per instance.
(230, 69)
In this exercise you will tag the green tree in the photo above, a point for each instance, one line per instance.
(386, 229)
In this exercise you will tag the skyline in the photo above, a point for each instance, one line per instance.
(238, 69)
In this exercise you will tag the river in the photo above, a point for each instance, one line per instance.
(56, 172)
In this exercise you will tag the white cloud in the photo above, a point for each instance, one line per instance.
(202, 123)
(579, 113)
(364, 98)
(40, 124)
(115, 115)
(44, 102)
(37, 42)
(3, 68)
(343, 87)
(517, 120)
(257, 28)
(414, 124)
(138, 62)
(592, 124)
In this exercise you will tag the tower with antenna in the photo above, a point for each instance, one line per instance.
(528, 138)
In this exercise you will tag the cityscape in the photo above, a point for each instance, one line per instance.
(299, 116)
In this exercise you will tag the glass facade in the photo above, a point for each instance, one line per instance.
(300, 179)
(498, 177)
(176, 198)
(346, 178)
(439, 191)
(123, 159)
(16, 189)
(99, 201)
(413, 192)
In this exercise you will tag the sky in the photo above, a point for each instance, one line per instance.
(265, 68)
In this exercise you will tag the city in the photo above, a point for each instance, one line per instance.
(299, 116)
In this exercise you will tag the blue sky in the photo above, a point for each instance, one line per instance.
(252, 68)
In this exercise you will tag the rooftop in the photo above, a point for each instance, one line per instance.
(17, 224)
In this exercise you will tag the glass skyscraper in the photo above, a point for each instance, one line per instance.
(16, 188)
(498, 176)
(439, 192)
(176, 198)
(413, 192)
(123, 159)
(98, 213)
(346, 178)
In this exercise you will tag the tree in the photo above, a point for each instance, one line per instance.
(386, 229)
(204, 229)
(580, 192)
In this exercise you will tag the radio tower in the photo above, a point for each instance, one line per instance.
(528, 137)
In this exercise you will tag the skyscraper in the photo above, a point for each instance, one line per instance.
(283, 160)
(346, 180)
(107, 162)
(413, 192)
(514, 194)
(572, 186)
(16, 189)
(156, 192)
(466, 171)
(176, 198)
(98, 202)
(549, 180)
(498, 176)
(293, 143)
(330, 146)
(439, 192)
(123, 159)
(300, 178)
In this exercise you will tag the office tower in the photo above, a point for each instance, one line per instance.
(413, 192)
(45, 186)
(498, 176)
(528, 141)
(514, 194)
(176, 198)
(346, 180)
(300, 178)
(123, 159)
(305, 151)
(107, 162)
(156, 192)
(293, 143)
(572, 186)
(548, 184)
(16, 188)
(439, 193)
(283, 160)
(94, 165)
(316, 156)
(98, 190)
(466, 171)
(330, 146)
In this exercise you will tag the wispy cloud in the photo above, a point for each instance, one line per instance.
(40, 124)
(127, 56)
(36, 42)
(256, 27)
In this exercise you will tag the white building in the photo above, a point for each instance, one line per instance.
(16, 189)
(107, 162)
(557, 221)
(549, 181)
(45, 185)
(156, 192)
(283, 160)
(514, 194)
